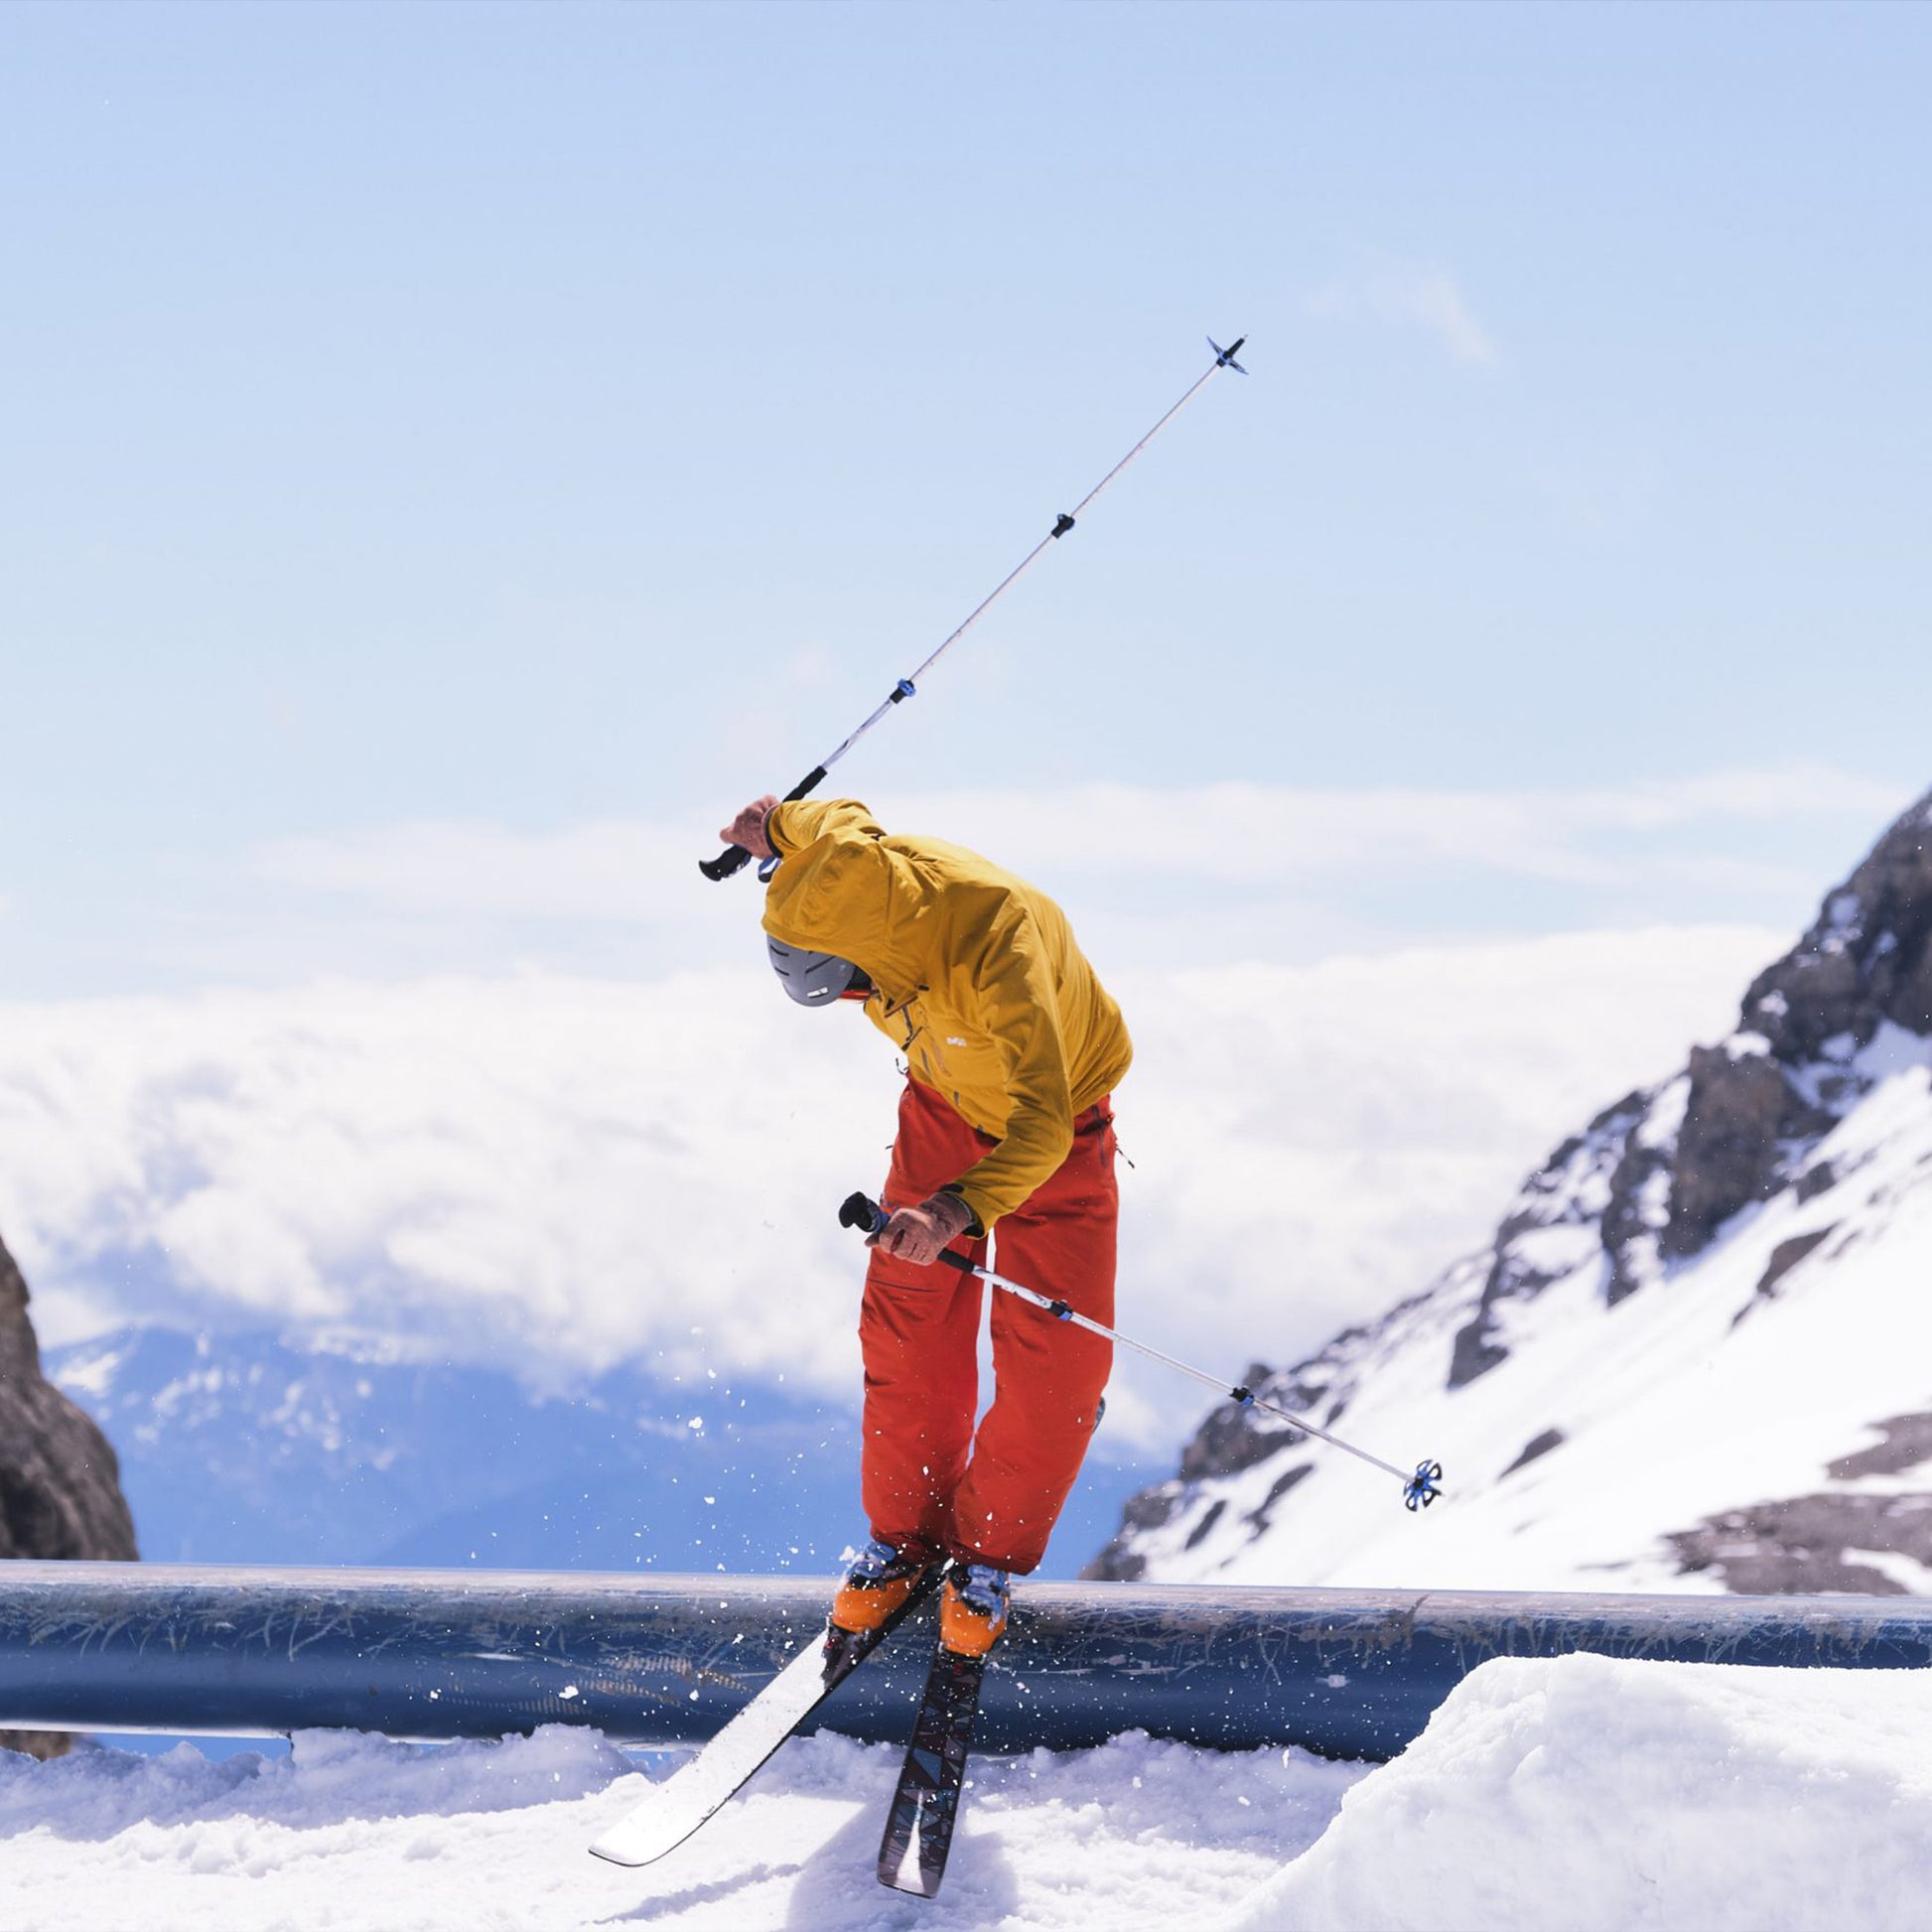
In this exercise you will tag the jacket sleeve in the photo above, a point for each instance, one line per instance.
(1013, 987)
(793, 826)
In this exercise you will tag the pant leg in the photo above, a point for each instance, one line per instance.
(1048, 1375)
(918, 1333)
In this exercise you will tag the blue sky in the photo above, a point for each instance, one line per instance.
(451, 456)
(527, 417)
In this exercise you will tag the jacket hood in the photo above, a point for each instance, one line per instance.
(852, 893)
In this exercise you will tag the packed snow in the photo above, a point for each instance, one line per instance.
(358, 1835)
(1594, 1794)
(1550, 1795)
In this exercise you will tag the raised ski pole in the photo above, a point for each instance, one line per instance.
(1420, 1488)
(735, 857)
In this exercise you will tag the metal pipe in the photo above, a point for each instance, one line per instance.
(667, 1660)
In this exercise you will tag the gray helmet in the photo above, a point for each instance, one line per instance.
(813, 979)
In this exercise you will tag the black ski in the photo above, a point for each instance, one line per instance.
(925, 1806)
(671, 1811)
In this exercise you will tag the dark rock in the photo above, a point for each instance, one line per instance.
(1205, 1528)
(1537, 1445)
(1263, 1513)
(1147, 1509)
(1474, 1352)
(1235, 1438)
(1740, 1111)
(60, 1483)
(36, 1744)
(1813, 1181)
(1116, 1564)
(1635, 1216)
(1907, 1444)
(1785, 1257)
(1562, 1193)
(1807, 1543)
(1866, 958)
(1151, 1508)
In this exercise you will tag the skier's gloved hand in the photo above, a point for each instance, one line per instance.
(921, 1234)
(748, 828)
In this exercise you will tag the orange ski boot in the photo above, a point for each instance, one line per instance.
(973, 1609)
(876, 1584)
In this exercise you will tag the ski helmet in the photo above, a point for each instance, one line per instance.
(813, 979)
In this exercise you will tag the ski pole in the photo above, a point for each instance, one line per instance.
(1419, 1488)
(735, 857)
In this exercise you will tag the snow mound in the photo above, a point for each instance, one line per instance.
(328, 1779)
(1583, 1792)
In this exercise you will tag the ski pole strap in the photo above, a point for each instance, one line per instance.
(1420, 1488)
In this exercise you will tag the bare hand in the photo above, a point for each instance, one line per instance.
(748, 828)
(921, 1234)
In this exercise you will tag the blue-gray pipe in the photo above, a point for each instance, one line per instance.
(667, 1660)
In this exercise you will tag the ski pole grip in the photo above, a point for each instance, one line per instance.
(733, 859)
(861, 1212)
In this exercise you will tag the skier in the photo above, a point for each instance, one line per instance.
(1012, 1048)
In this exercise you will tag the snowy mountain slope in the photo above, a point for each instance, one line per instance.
(1698, 1354)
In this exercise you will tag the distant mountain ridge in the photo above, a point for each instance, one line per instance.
(262, 1449)
(256, 1447)
(1698, 1354)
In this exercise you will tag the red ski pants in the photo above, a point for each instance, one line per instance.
(930, 1484)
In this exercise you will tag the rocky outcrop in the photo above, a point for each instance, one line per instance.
(1638, 1198)
(60, 1483)
(1867, 959)
(1739, 1117)
(1813, 1543)
(1593, 1192)
(1658, 1174)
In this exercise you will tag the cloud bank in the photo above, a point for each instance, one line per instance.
(553, 1173)
(614, 870)
(1222, 872)
(1413, 296)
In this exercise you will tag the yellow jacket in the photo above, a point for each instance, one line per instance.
(975, 978)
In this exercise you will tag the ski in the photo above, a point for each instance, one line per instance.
(925, 1806)
(671, 1811)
